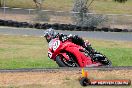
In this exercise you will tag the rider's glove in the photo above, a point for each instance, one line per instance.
(64, 38)
(69, 36)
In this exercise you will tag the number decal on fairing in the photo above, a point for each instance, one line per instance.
(49, 54)
(56, 44)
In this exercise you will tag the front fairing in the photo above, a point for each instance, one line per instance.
(54, 48)
(55, 44)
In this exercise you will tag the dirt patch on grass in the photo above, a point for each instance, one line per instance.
(57, 79)
(32, 18)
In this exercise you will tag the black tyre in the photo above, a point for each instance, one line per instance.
(62, 62)
(85, 81)
(108, 63)
(103, 60)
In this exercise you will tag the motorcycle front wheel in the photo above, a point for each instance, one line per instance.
(62, 62)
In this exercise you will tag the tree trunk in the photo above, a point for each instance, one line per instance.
(0, 3)
(38, 3)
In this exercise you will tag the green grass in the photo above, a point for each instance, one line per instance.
(109, 6)
(24, 52)
(99, 6)
(31, 52)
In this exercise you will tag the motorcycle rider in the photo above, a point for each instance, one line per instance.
(50, 34)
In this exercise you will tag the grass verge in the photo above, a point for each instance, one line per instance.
(31, 52)
(100, 6)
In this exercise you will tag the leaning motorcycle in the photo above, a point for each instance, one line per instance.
(68, 54)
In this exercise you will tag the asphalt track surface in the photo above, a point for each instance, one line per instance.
(17, 11)
(94, 35)
(31, 11)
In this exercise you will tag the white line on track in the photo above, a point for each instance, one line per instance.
(25, 35)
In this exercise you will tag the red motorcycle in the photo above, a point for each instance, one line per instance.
(68, 54)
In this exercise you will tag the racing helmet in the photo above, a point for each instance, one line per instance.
(49, 34)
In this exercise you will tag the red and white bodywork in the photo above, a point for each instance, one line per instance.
(59, 48)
